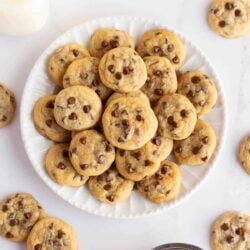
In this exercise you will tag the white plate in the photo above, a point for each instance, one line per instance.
(36, 145)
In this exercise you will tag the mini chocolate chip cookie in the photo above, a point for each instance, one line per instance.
(106, 39)
(110, 187)
(122, 70)
(77, 108)
(51, 233)
(61, 59)
(198, 147)
(176, 115)
(85, 72)
(44, 120)
(161, 78)
(59, 167)
(18, 214)
(231, 231)
(129, 123)
(164, 185)
(161, 42)
(230, 18)
(7, 105)
(137, 164)
(90, 153)
(199, 89)
(138, 94)
(244, 154)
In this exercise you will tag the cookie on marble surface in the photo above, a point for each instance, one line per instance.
(7, 105)
(77, 108)
(176, 115)
(161, 78)
(61, 59)
(110, 187)
(137, 94)
(122, 70)
(199, 89)
(44, 120)
(18, 214)
(164, 185)
(106, 39)
(198, 147)
(85, 72)
(129, 123)
(145, 161)
(90, 153)
(51, 233)
(231, 231)
(244, 153)
(59, 167)
(230, 19)
(161, 42)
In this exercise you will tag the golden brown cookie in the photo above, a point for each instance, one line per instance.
(106, 39)
(61, 59)
(7, 105)
(18, 214)
(244, 154)
(164, 185)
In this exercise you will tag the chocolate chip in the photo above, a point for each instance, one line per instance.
(237, 12)
(27, 215)
(108, 147)
(148, 163)
(222, 23)
(84, 76)
(136, 155)
(49, 122)
(5, 208)
(170, 48)
(38, 247)
(13, 222)
(241, 232)
(9, 235)
(190, 94)
(71, 100)
(115, 113)
(111, 198)
(95, 83)
(121, 152)
(156, 141)
(83, 140)
(73, 116)
(157, 49)
(86, 108)
(114, 43)
(146, 189)
(229, 6)
(118, 75)
(120, 139)
(215, 11)
(157, 73)
(105, 44)
(158, 177)
(195, 79)
(158, 91)
(126, 70)
(65, 153)
(62, 60)
(224, 226)
(196, 150)
(61, 165)
(205, 139)
(125, 123)
(183, 113)
(111, 68)
(50, 105)
(84, 166)
(107, 186)
(20, 204)
(229, 239)
(131, 169)
(164, 169)
(204, 158)
(101, 159)
(172, 122)
(76, 52)
(51, 225)
(60, 234)
(139, 118)
(74, 150)
(176, 60)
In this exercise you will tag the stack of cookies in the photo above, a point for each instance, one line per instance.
(120, 113)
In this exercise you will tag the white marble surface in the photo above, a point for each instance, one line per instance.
(227, 187)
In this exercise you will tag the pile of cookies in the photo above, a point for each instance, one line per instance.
(121, 113)
(22, 218)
